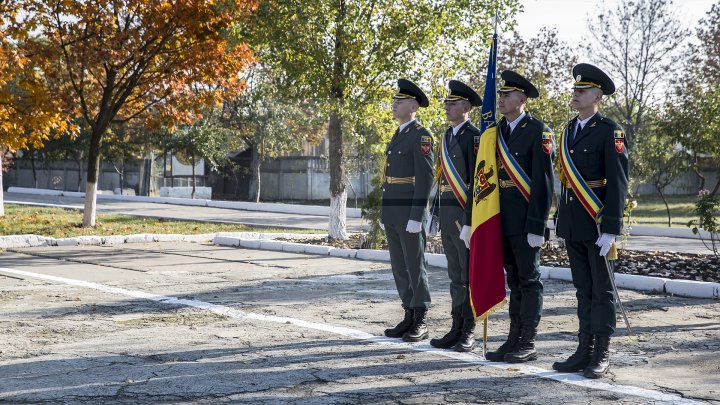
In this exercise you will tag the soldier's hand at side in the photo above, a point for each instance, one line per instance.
(465, 235)
(605, 241)
(535, 240)
(413, 226)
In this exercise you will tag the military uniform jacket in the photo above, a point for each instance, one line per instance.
(525, 144)
(462, 150)
(598, 152)
(409, 154)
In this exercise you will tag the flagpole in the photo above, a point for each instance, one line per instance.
(485, 321)
(485, 330)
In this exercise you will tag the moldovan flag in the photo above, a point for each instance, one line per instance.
(487, 280)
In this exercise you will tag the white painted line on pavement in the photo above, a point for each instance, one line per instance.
(572, 379)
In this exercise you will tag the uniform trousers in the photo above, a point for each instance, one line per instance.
(407, 259)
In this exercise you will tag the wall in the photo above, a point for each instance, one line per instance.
(306, 178)
(67, 176)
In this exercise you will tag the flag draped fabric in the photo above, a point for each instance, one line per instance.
(487, 280)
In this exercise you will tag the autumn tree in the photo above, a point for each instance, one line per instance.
(30, 114)
(346, 54)
(115, 60)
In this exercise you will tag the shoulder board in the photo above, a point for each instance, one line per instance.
(473, 128)
(607, 121)
(536, 123)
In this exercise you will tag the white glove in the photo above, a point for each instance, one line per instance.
(413, 226)
(535, 240)
(382, 226)
(605, 241)
(465, 235)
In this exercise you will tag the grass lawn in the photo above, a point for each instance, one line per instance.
(65, 223)
(651, 210)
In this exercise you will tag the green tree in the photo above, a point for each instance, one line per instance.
(205, 140)
(659, 159)
(271, 117)
(694, 104)
(347, 54)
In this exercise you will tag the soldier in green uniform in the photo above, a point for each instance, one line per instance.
(456, 158)
(526, 189)
(408, 180)
(594, 165)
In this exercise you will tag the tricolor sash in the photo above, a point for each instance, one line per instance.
(587, 197)
(451, 174)
(513, 169)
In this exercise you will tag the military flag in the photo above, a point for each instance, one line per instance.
(487, 280)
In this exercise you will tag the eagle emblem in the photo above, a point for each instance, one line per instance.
(483, 186)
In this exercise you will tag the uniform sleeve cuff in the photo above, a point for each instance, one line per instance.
(611, 225)
(535, 226)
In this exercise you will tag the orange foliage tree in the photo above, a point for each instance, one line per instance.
(118, 60)
(29, 112)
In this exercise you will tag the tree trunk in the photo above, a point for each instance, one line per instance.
(79, 163)
(256, 184)
(121, 174)
(34, 171)
(144, 182)
(667, 208)
(697, 172)
(93, 173)
(192, 161)
(337, 228)
(2, 188)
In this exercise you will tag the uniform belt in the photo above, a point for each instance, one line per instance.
(596, 183)
(506, 183)
(400, 180)
(446, 188)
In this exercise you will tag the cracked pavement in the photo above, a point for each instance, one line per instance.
(67, 343)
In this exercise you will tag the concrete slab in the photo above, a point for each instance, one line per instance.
(267, 326)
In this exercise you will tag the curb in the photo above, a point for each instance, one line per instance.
(266, 241)
(635, 230)
(683, 288)
(235, 205)
(224, 239)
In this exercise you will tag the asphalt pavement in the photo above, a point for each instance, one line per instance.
(197, 323)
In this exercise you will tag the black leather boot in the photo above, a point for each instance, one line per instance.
(466, 343)
(580, 359)
(451, 337)
(510, 343)
(525, 349)
(600, 360)
(402, 327)
(418, 331)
